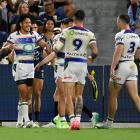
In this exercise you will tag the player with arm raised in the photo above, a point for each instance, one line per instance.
(59, 121)
(123, 68)
(23, 42)
(75, 41)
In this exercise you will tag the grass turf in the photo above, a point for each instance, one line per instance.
(57, 134)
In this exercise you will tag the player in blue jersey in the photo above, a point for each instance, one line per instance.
(23, 42)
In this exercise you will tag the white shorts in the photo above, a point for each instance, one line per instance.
(127, 71)
(75, 72)
(22, 71)
(59, 70)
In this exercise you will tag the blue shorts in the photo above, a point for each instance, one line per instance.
(39, 74)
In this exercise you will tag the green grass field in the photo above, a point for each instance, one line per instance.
(57, 134)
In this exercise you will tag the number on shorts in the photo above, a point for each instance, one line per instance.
(132, 47)
(77, 44)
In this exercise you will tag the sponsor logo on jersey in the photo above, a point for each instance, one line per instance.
(77, 54)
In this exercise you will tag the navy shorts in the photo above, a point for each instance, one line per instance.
(39, 74)
(28, 82)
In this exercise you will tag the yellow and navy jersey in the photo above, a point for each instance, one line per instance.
(76, 41)
(131, 42)
(25, 44)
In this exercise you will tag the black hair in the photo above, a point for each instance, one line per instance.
(124, 18)
(66, 20)
(34, 8)
(44, 25)
(79, 15)
(21, 19)
(49, 0)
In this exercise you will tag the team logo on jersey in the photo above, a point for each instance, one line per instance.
(71, 32)
(28, 47)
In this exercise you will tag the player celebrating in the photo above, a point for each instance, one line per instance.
(60, 120)
(75, 41)
(123, 68)
(23, 41)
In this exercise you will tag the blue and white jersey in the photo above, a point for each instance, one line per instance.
(76, 41)
(38, 55)
(25, 45)
(131, 42)
(59, 60)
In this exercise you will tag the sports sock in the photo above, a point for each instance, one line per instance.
(30, 116)
(109, 121)
(24, 108)
(87, 111)
(37, 115)
(78, 117)
(72, 118)
(55, 108)
(20, 116)
(62, 118)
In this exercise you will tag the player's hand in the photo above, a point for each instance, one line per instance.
(90, 77)
(37, 67)
(113, 75)
(11, 46)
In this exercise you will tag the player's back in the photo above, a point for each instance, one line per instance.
(77, 40)
(131, 42)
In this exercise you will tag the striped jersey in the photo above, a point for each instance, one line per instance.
(25, 44)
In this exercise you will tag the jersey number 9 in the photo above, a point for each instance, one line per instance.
(77, 44)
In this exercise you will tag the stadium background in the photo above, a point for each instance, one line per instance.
(101, 19)
(9, 97)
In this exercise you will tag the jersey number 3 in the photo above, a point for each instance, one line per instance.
(77, 44)
(132, 47)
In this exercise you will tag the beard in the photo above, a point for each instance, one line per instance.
(27, 29)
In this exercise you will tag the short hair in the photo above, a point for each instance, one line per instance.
(21, 19)
(124, 18)
(48, 0)
(66, 20)
(79, 15)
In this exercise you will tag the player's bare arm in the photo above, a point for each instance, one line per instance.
(94, 49)
(6, 49)
(90, 77)
(57, 48)
(137, 54)
(45, 45)
(45, 60)
(116, 57)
